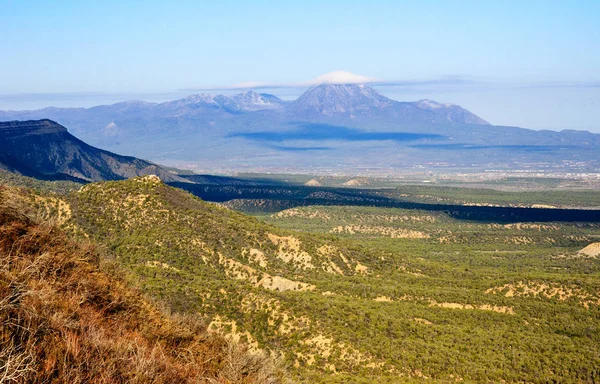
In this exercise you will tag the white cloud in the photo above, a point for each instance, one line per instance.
(340, 77)
(335, 77)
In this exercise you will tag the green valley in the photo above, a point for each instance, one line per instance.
(352, 293)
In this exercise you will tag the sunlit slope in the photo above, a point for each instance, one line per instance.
(435, 228)
(69, 317)
(199, 257)
(341, 308)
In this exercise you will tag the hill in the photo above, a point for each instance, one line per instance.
(67, 317)
(46, 150)
(360, 292)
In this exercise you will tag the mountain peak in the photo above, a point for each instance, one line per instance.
(198, 98)
(249, 92)
(249, 101)
(330, 99)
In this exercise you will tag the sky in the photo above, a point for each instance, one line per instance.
(530, 63)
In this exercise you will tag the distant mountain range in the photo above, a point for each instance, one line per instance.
(45, 150)
(326, 99)
(330, 126)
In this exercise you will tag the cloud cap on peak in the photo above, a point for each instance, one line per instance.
(335, 77)
(341, 77)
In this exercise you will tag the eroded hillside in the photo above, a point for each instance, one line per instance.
(339, 305)
(66, 316)
(200, 257)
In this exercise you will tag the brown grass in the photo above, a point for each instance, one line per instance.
(65, 319)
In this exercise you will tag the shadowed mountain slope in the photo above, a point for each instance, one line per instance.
(45, 149)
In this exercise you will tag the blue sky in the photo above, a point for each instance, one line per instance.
(529, 63)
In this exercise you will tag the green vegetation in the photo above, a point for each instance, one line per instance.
(454, 195)
(466, 203)
(58, 187)
(357, 293)
(67, 316)
(521, 183)
(432, 228)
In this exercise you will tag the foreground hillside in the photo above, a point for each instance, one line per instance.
(66, 318)
(362, 292)
(255, 281)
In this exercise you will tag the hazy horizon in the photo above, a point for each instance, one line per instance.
(530, 64)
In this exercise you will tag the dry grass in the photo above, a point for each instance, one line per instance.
(66, 320)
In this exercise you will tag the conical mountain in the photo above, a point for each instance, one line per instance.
(359, 99)
(329, 99)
